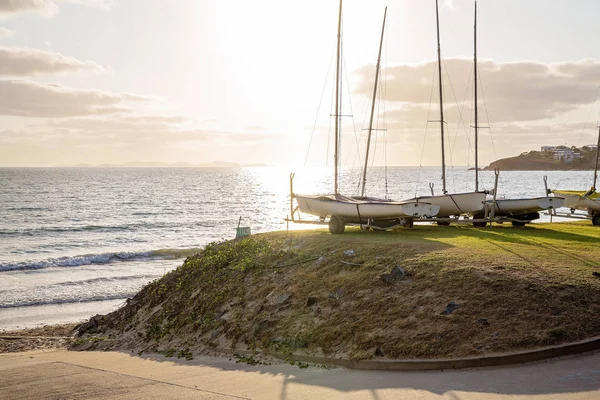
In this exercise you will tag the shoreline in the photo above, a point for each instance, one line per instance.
(32, 317)
(45, 337)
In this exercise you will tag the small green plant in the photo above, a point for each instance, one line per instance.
(250, 360)
(162, 289)
(186, 353)
(169, 352)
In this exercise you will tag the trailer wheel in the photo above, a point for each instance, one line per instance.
(596, 219)
(518, 223)
(479, 224)
(408, 222)
(336, 225)
(443, 223)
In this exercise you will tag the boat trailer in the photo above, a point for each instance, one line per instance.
(595, 218)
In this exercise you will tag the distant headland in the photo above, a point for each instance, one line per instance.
(549, 158)
(159, 164)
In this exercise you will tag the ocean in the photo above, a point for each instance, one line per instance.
(75, 242)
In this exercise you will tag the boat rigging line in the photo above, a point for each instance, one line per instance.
(377, 67)
(318, 110)
(487, 117)
(351, 115)
(460, 118)
(425, 135)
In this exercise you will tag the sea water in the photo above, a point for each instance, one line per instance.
(79, 241)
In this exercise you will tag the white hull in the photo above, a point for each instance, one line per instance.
(346, 207)
(524, 206)
(577, 202)
(455, 204)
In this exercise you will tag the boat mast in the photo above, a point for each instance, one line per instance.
(437, 20)
(476, 113)
(364, 177)
(597, 156)
(337, 102)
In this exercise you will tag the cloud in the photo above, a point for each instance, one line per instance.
(516, 91)
(254, 128)
(4, 33)
(26, 62)
(45, 8)
(119, 123)
(32, 99)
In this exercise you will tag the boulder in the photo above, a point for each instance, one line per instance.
(450, 308)
(311, 300)
(395, 275)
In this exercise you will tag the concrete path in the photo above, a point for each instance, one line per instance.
(112, 375)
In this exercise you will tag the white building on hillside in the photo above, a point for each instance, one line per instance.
(566, 156)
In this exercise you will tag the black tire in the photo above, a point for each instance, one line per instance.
(443, 223)
(409, 223)
(596, 219)
(479, 224)
(336, 225)
(518, 224)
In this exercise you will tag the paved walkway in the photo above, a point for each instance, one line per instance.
(91, 375)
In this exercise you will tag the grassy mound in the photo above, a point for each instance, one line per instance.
(461, 291)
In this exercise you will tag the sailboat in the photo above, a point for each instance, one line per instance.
(588, 201)
(451, 204)
(345, 209)
(522, 210)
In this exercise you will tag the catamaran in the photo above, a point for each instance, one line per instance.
(345, 209)
(519, 210)
(451, 204)
(588, 201)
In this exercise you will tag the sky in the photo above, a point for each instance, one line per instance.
(196, 81)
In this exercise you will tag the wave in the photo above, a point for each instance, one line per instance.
(28, 209)
(82, 228)
(102, 258)
(29, 303)
(92, 281)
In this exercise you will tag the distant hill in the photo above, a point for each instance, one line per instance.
(160, 164)
(561, 159)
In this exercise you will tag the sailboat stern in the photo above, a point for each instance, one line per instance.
(512, 207)
(419, 209)
(548, 203)
(577, 200)
(456, 204)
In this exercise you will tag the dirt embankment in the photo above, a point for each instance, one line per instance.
(429, 292)
(46, 337)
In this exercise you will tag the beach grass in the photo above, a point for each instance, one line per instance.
(465, 291)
